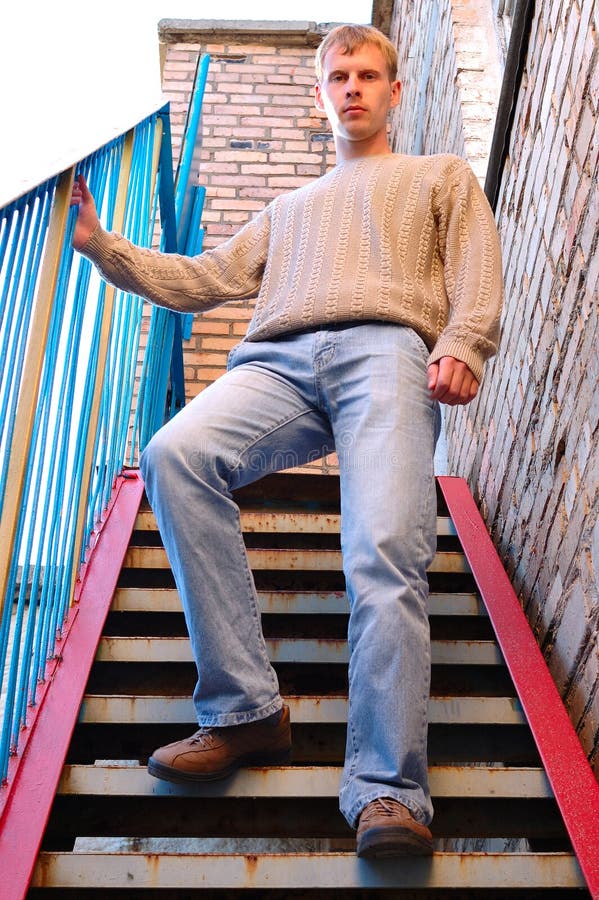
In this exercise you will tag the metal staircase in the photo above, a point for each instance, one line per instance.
(114, 831)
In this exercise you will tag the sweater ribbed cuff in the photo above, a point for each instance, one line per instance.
(463, 352)
(98, 247)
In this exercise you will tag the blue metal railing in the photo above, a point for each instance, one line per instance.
(78, 398)
(83, 423)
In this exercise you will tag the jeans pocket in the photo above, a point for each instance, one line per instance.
(232, 355)
(418, 344)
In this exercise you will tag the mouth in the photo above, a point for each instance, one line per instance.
(354, 108)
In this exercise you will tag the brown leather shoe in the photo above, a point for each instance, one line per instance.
(213, 753)
(387, 828)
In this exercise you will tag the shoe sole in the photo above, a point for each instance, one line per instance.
(177, 776)
(379, 843)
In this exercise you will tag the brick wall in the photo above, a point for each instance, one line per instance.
(530, 446)
(262, 136)
(529, 443)
(450, 71)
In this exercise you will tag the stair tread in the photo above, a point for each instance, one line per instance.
(286, 522)
(276, 559)
(117, 778)
(136, 599)
(314, 871)
(304, 650)
(304, 709)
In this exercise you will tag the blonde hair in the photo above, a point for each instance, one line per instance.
(350, 38)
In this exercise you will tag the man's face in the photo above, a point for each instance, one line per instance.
(356, 93)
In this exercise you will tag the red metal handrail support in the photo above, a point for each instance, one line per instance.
(572, 780)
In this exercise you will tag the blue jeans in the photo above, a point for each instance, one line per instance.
(360, 390)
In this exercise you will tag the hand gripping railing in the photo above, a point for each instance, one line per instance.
(73, 409)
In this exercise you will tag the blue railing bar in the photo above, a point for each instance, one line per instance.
(186, 199)
(193, 243)
(13, 367)
(23, 223)
(177, 372)
(5, 225)
(150, 412)
(10, 303)
(191, 132)
(14, 213)
(166, 192)
(97, 486)
(96, 177)
(130, 313)
(96, 503)
(194, 238)
(156, 374)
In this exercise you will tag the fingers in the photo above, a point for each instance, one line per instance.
(451, 382)
(433, 374)
(77, 192)
(87, 217)
(80, 192)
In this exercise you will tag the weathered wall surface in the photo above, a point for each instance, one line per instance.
(450, 71)
(529, 444)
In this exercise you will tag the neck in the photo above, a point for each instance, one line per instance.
(348, 150)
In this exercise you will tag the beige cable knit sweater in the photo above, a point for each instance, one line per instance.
(395, 238)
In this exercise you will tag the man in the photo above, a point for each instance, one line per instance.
(378, 292)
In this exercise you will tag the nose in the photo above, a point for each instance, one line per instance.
(352, 88)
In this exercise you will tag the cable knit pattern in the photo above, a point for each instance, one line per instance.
(367, 239)
(395, 238)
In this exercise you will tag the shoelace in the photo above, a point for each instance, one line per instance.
(385, 806)
(202, 736)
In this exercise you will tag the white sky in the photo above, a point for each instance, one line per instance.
(73, 75)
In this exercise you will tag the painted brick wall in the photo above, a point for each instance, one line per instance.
(261, 136)
(451, 76)
(529, 444)
(530, 447)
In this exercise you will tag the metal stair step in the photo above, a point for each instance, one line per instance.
(308, 871)
(134, 599)
(304, 650)
(281, 522)
(289, 560)
(116, 778)
(172, 845)
(305, 710)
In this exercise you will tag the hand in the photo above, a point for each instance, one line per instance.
(87, 217)
(450, 381)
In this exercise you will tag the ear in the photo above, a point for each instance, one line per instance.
(318, 97)
(395, 93)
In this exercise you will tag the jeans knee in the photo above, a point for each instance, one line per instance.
(152, 455)
(172, 454)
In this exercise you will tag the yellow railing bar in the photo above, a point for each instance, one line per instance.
(88, 461)
(34, 361)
